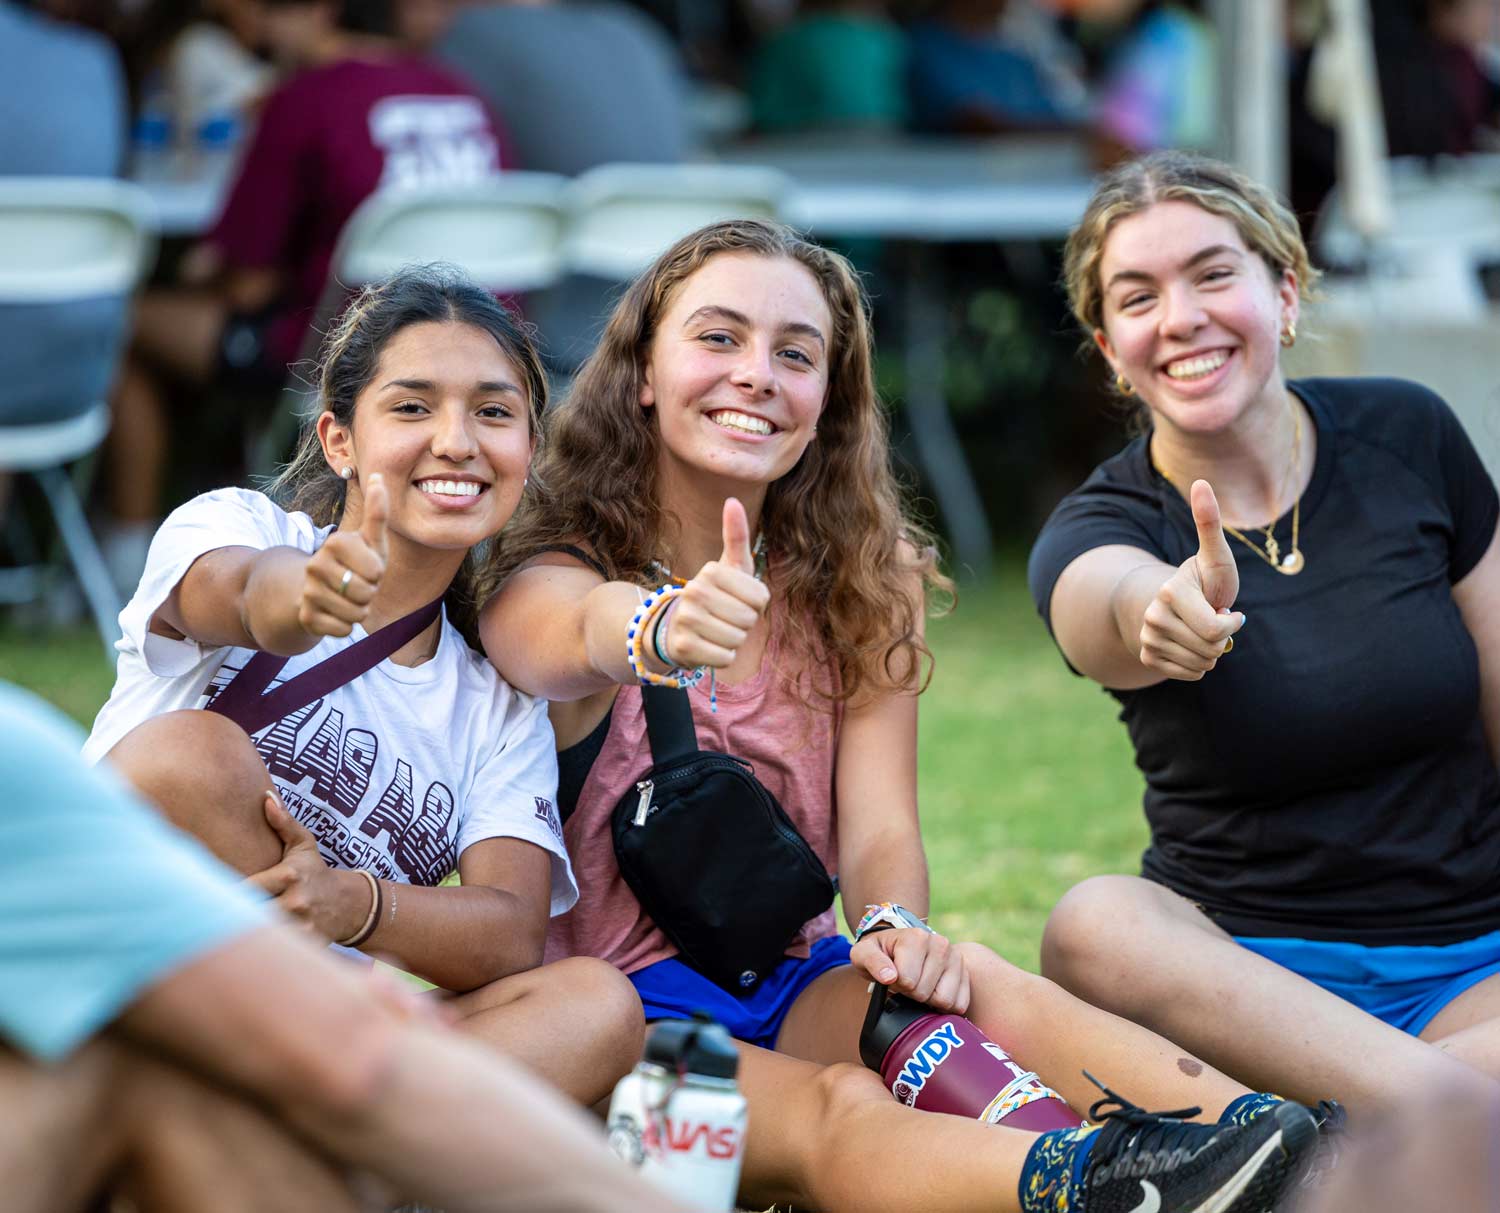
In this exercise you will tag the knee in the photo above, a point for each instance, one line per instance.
(1089, 936)
(846, 1092)
(605, 1007)
(202, 772)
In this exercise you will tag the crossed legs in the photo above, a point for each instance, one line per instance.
(576, 1022)
(825, 1132)
(112, 1116)
(1143, 952)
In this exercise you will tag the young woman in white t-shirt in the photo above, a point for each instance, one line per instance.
(350, 810)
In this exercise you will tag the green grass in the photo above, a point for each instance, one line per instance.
(1027, 784)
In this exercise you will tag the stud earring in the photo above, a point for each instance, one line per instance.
(1289, 334)
(347, 472)
(1122, 385)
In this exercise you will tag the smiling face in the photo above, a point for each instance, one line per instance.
(444, 421)
(737, 370)
(1192, 317)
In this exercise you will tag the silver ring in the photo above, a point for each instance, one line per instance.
(344, 582)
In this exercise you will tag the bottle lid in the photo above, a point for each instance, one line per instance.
(696, 1046)
(888, 1016)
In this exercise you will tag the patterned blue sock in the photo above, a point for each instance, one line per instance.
(1053, 1170)
(1246, 1108)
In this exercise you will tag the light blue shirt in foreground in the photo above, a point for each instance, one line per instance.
(99, 897)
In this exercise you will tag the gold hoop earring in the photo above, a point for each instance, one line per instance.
(1123, 386)
(1289, 334)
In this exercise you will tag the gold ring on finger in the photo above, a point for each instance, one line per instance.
(1229, 645)
(344, 582)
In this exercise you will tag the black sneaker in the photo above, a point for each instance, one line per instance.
(1161, 1162)
(1323, 1159)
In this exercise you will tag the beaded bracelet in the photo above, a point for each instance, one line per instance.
(635, 632)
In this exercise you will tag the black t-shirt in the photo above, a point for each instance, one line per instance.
(1330, 779)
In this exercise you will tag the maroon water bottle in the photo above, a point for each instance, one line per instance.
(943, 1063)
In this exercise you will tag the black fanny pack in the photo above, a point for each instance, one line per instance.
(711, 856)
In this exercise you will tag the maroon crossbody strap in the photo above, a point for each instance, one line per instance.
(245, 702)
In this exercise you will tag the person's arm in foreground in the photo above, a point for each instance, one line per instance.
(443, 1118)
(1126, 619)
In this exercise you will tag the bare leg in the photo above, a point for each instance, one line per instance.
(1141, 951)
(178, 331)
(1038, 1023)
(202, 771)
(439, 1116)
(136, 450)
(1437, 1153)
(175, 338)
(1468, 1028)
(831, 1137)
(60, 1132)
(109, 1116)
(195, 1146)
(577, 1023)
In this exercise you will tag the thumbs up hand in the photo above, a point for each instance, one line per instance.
(713, 616)
(343, 575)
(1188, 625)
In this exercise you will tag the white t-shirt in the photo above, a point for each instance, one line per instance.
(396, 772)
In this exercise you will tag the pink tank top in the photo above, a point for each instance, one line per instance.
(760, 720)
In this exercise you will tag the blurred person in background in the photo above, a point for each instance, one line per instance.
(168, 1036)
(197, 81)
(1159, 87)
(1319, 908)
(839, 65)
(969, 77)
(357, 113)
(1438, 91)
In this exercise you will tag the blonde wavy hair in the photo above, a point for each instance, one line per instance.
(843, 548)
(1265, 223)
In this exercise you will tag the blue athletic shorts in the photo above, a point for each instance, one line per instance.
(671, 990)
(1404, 985)
(99, 897)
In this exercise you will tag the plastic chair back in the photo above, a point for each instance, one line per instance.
(624, 215)
(506, 233)
(67, 238)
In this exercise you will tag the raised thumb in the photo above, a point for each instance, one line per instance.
(737, 554)
(1217, 571)
(377, 507)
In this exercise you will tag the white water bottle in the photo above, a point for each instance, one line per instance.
(679, 1117)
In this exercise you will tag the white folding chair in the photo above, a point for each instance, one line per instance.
(624, 215)
(506, 233)
(70, 240)
(1445, 226)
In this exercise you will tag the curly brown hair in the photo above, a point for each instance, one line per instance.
(843, 547)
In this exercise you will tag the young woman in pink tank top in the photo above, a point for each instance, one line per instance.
(731, 407)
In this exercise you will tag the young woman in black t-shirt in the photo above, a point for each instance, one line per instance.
(1322, 888)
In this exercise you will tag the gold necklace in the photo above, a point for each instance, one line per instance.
(1293, 562)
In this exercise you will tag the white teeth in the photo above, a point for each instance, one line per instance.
(731, 420)
(450, 488)
(1193, 368)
